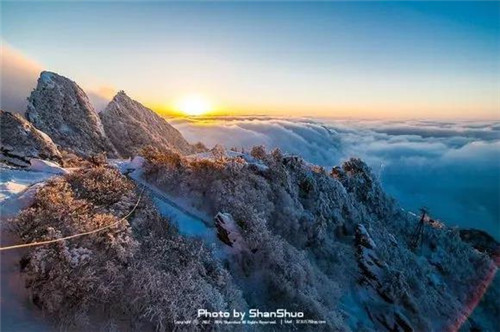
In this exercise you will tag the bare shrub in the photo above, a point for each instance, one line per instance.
(68, 279)
(200, 147)
(100, 185)
(259, 152)
(140, 272)
(219, 152)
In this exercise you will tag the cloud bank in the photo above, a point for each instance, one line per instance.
(453, 168)
(18, 78)
(19, 75)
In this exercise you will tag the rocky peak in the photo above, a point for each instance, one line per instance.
(131, 126)
(121, 94)
(20, 141)
(61, 109)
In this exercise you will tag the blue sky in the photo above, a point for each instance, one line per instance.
(364, 59)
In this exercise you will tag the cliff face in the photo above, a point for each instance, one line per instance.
(20, 141)
(131, 126)
(61, 109)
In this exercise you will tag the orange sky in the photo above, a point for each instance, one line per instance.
(19, 74)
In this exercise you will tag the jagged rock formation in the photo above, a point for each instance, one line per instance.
(20, 141)
(131, 126)
(61, 109)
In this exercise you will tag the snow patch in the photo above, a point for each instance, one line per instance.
(14, 181)
(18, 188)
(11, 207)
(45, 166)
(47, 77)
(126, 166)
(186, 224)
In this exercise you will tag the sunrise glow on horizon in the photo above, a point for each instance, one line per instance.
(331, 59)
(193, 105)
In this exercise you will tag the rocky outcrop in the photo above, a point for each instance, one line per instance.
(62, 110)
(228, 232)
(385, 309)
(483, 242)
(20, 141)
(369, 263)
(131, 126)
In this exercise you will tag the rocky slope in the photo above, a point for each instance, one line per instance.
(61, 109)
(131, 126)
(331, 244)
(20, 141)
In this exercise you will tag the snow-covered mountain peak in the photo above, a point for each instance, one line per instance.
(61, 109)
(131, 126)
(121, 94)
(47, 77)
(120, 97)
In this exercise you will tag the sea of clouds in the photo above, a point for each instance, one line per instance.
(452, 168)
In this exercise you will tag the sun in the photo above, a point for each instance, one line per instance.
(193, 105)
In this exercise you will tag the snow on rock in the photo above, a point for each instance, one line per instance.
(61, 109)
(20, 141)
(364, 238)
(47, 78)
(39, 165)
(228, 232)
(136, 162)
(11, 206)
(368, 260)
(131, 126)
(17, 188)
(378, 300)
(13, 181)
(126, 166)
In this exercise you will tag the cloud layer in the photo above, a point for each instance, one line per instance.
(19, 75)
(453, 168)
